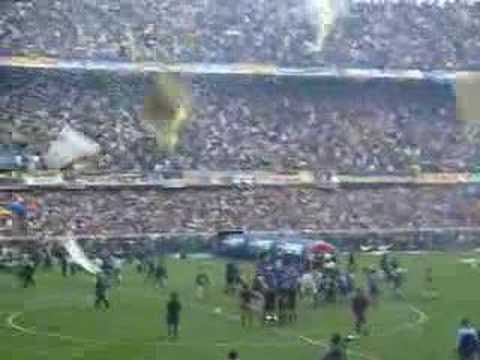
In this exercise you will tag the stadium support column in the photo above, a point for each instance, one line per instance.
(467, 93)
(467, 102)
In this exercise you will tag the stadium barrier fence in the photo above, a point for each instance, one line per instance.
(222, 179)
(402, 239)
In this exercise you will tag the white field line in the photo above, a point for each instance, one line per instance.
(422, 318)
(10, 322)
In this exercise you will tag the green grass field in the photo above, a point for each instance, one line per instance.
(56, 319)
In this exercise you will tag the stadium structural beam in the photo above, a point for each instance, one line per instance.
(231, 69)
(215, 180)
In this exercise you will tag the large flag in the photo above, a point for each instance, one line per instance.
(79, 257)
(69, 147)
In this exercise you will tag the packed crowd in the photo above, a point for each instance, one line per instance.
(283, 32)
(250, 123)
(131, 212)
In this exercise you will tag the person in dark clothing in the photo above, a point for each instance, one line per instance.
(140, 266)
(37, 258)
(231, 278)
(337, 350)
(27, 275)
(330, 289)
(101, 287)
(360, 305)
(161, 275)
(282, 307)
(352, 264)
(48, 261)
(150, 267)
(64, 265)
(270, 306)
(468, 344)
(292, 305)
(385, 265)
(73, 269)
(397, 281)
(174, 307)
(233, 355)
(372, 284)
(394, 263)
(429, 291)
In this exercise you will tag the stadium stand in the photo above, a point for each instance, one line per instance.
(252, 123)
(400, 34)
(128, 212)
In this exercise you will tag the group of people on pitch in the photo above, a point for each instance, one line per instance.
(275, 287)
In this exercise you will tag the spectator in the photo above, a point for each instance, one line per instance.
(372, 34)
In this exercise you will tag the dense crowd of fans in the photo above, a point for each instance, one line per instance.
(251, 123)
(132, 212)
(283, 32)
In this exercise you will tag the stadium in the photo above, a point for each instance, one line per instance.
(209, 180)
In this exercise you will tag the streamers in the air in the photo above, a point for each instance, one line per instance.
(323, 14)
(167, 109)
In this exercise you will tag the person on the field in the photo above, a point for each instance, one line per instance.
(150, 267)
(48, 261)
(343, 286)
(117, 271)
(231, 278)
(161, 275)
(385, 266)
(430, 291)
(360, 305)
(292, 305)
(202, 282)
(139, 266)
(394, 264)
(330, 288)
(73, 268)
(233, 355)
(350, 283)
(246, 302)
(270, 306)
(337, 350)
(174, 308)
(429, 276)
(64, 264)
(282, 307)
(37, 258)
(372, 284)
(397, 281)
(352, 264)
(101, 288)
(468, 344)
(27, 274)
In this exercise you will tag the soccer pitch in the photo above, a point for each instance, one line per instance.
(56, 320)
